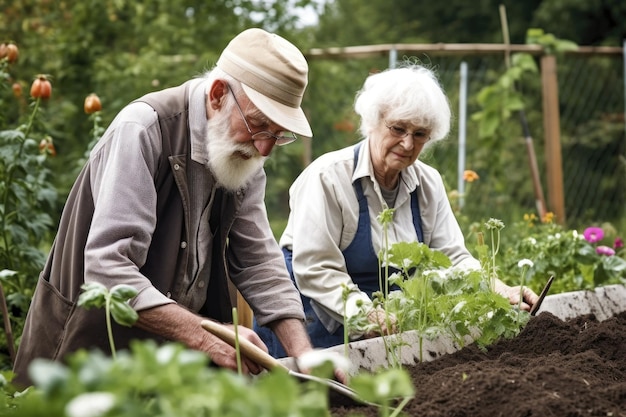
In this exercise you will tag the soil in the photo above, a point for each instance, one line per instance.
(559, 368)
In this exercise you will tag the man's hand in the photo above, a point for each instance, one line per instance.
(294, 338)
(224, 355)
(175, 323)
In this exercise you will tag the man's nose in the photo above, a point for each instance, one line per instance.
(264, 146)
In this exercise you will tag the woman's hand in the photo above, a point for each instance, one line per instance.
(529, 298)
(384, 323)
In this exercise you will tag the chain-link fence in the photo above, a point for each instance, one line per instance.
(592, 140)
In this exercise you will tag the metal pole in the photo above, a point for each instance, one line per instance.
(462, 132)
(393, 57)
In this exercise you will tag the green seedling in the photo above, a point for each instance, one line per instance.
(115, 302)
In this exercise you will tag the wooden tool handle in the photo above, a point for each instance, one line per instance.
(247, 348)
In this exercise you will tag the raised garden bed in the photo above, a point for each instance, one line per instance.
(570, 360)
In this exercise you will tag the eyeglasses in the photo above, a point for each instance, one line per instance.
(419, 136)
(284, 138)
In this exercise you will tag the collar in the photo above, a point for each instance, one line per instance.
(198, 120)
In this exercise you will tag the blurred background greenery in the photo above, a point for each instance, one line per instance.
(122, 49)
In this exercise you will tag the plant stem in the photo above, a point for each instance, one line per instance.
(109, 328)
(400, 406)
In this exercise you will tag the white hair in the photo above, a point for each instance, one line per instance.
(410, 93)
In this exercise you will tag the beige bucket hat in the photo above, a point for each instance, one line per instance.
(273, 74)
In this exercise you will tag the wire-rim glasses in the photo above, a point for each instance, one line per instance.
(419, 136)
(281, 140)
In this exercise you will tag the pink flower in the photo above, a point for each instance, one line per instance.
(618, 244)
(593, 234)
(605, 250)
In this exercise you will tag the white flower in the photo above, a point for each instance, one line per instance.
(525, 262)
(315, 358)
(91, 404)
(532, 240)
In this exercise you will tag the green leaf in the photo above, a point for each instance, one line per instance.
(387, 385)
(94, 295)
(123, 313)
(49, 376)
(123, 292)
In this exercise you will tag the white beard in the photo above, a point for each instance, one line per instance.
(227, 159)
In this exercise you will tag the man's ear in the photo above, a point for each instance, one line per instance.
(217, 92)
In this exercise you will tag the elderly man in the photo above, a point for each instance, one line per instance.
(171, 202)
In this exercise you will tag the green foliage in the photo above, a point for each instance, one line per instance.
(550, 43)
(151, 380)
(554, 250)
(435, 298)
(115, 303)
(440, 300)
(500, 100)
(26, 199)
(385, 388)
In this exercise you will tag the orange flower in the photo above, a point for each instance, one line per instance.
(548, 217)
(41, 88)
(470, 176)
(92, 104)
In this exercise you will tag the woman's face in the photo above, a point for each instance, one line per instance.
(394, 145)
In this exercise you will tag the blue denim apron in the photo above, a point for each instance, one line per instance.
(362, 265)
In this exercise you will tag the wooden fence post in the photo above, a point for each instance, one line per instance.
(552, 132)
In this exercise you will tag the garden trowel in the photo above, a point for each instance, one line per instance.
(268, 362)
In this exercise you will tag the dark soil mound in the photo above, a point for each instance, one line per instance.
(552, 368)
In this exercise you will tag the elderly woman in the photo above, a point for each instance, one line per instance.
(333, 237)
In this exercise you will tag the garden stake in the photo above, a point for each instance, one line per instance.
(7, 325)
(540, 200)
(268, 362)
(536, 306)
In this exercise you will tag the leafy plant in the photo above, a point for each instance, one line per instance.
(166, 380)
(437, 299)
(115, 303)
(152, 381)
(26, 197)
(385, 388)
(577, 262)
